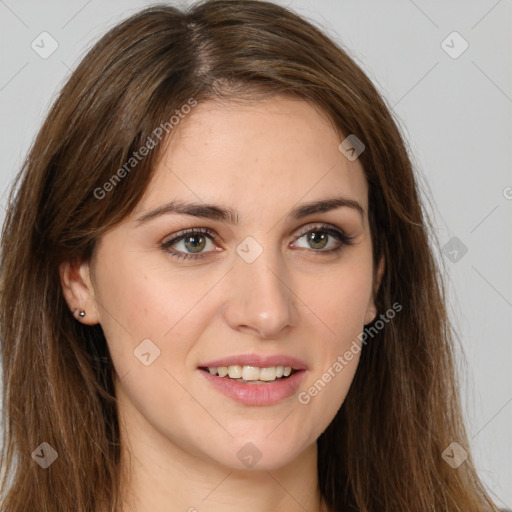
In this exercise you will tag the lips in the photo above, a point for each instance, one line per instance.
(270, 379)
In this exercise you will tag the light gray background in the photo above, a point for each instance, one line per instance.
(456, 115)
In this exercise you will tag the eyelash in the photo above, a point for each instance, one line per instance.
(342, 237)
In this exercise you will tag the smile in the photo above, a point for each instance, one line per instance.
(254, 392)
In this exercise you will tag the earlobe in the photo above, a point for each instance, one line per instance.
(78, 291)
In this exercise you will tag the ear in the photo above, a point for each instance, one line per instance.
(78, 290)
(371, 311)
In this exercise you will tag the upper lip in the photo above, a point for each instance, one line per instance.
(258, 360)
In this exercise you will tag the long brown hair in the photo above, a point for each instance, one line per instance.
(383, 451)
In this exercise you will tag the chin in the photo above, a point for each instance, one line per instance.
(255, 453)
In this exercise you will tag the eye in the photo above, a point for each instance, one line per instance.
(193, 239)
(317, 238)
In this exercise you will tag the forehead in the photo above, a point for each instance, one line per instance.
(259, 156)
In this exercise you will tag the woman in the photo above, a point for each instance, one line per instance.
(218, 291)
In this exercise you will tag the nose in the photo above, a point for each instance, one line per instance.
(260, 300)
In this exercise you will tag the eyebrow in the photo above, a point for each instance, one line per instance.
(230, 216)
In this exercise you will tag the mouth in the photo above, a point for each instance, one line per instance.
(251, 374)
(255, 380)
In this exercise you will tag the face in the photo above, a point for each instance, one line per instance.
(275, 285)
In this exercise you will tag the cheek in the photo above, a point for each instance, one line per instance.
(138, 297)
(132, 308)
(325, 390)
(339, 307)
(148, 321)
(339, 301)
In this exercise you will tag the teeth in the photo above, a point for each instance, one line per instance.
(268, 373)
(252, 373)
(235, 372)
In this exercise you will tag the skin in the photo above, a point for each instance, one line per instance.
(180, 436)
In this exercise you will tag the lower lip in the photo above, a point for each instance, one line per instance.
(256, 394)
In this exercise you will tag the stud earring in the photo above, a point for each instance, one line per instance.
(81, 313)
